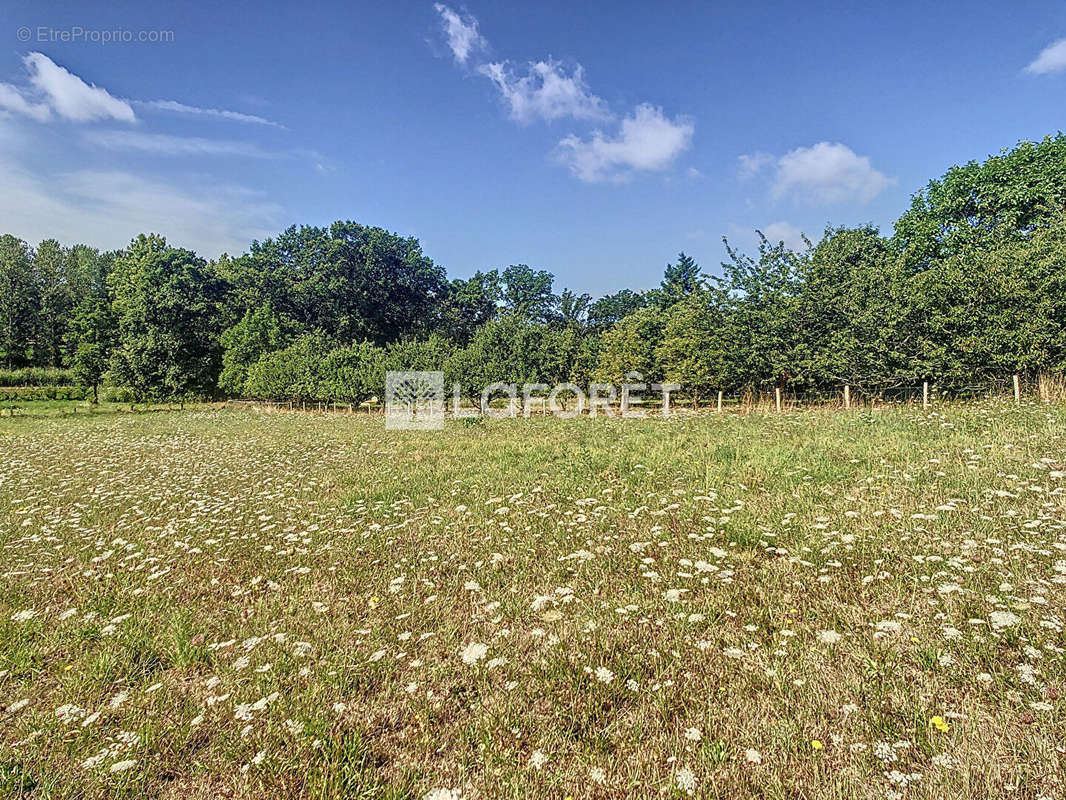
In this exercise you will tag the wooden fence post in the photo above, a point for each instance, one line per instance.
(719, 401)
(1017, 389)
(925, 394)
(847, 396)
(777, 398)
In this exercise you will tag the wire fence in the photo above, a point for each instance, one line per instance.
(1019, 389)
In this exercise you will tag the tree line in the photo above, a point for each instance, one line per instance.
(969, 287)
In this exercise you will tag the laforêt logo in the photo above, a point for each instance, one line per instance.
(414, 400)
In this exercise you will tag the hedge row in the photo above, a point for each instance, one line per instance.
(13, 394)
(37, 376)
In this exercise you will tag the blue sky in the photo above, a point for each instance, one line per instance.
(591, 139)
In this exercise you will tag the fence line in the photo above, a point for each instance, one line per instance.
(1044, 389)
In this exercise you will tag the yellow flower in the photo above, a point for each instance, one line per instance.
(939, 723)
(815, 744)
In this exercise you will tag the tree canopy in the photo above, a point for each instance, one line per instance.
(969, 288)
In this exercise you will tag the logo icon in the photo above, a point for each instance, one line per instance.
(414, 401)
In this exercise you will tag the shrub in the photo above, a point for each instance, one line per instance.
(117, 394)
(12, 394)
(36, 376)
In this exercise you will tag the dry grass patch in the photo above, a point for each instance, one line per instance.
(220, 604)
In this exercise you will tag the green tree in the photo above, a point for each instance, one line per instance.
(18, 302)
(632, 345)
(352, 374)
(679, 281)
(427, 354)
(469, 304)
(259, 331)
(85, 268)
(56, 301)
(586, 355)
(527, 294)
(574, 308)
(692, 351)
(851, 313)
(512, 350)
(492, 356)
(1009, 195)
(293, 373)
(1043, 256)
(608, 310)
(167, 303)
(992, 309)
(352, 281)
(762, 330)
(91, 339)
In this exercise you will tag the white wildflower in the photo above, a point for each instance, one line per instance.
(829, 637)
(474, 652)
(604, 675)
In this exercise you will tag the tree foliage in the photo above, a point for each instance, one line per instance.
(19, 299)
(168, 307)
(354, 281)
(632, 346)
(1010, 195)
(969, 288)
(260, 331)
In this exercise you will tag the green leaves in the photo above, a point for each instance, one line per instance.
(92, 333)
(168, 305)
(19, 300)
(679, 281)
(693, 350)
(851, 312)
(1006, 197)
(632, 346)
(970, 289)
(259, 332)
(353, 281)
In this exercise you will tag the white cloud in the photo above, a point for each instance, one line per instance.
(12, 99)
(828, 172)
(1051, 59)
(220, 113)
(751, 165)
(646, 141)
(163, 144)
(108, 208)
(54, 88)
(546, 92)
(462, 33)
(785, 232)
(71, 97)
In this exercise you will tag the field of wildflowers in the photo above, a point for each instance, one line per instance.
(222, 604)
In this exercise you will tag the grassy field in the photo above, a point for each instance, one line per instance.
(826, 605)
(60, 408)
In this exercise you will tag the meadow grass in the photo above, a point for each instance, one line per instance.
(218, 603)
(59, 408)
